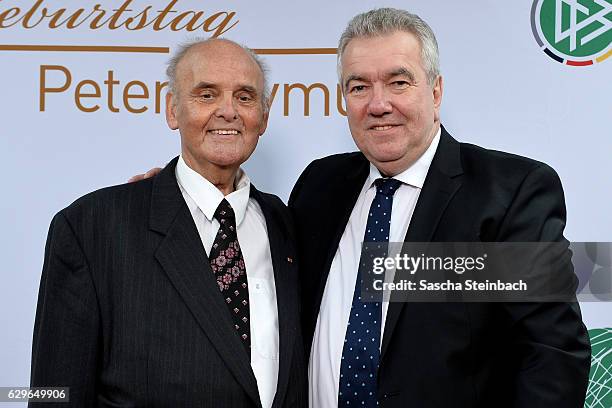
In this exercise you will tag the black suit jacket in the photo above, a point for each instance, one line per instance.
(456, 354)
(129, 313)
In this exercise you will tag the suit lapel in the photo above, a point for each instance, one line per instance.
(286, 294)
(344, 197)
(441, 184)
(184, 260)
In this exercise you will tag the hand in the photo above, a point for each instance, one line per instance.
(153, 172)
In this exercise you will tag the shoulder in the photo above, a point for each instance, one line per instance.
(335, 164)
(504, 169)
(474, 155)
(327, 173)
(481, 163)
(118, 199)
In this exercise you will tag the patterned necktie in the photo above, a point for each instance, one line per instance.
(228, 266)
(361, 351)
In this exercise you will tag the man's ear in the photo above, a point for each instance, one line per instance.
(171, 111)
(438, 90)
(264, 121)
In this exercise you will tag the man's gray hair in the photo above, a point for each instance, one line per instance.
(184, 49)
(384, 21)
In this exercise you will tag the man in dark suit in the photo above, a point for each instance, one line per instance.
(417, 183)
(179, 290)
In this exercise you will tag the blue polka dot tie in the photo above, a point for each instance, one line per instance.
(361, 351)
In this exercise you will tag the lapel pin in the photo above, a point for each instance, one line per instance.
(289, 259)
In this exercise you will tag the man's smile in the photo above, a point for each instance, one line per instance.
(224, 132)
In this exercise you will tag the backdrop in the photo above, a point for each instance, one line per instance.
(84, 85)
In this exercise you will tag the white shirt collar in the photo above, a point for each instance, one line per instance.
(415, 174)
(208, 197)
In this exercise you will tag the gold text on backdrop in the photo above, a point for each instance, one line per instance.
(114, 94)
(123, 17)
(88, 92)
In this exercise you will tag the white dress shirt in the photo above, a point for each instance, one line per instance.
(328, 341)
(203, 198)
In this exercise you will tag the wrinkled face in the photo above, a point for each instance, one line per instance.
(392, 110)
(218, 107)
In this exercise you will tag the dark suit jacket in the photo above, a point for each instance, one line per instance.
(129, 313)
(456, 354)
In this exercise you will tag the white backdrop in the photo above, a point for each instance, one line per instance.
(501, 91)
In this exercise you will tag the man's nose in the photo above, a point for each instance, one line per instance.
(226, 108)
(379, 103)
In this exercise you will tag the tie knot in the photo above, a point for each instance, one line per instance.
(224, 211)
(387, 186)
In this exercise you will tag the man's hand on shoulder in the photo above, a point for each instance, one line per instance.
(153, 172)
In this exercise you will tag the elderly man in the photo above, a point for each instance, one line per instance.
(179, 290)
(417, 183)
